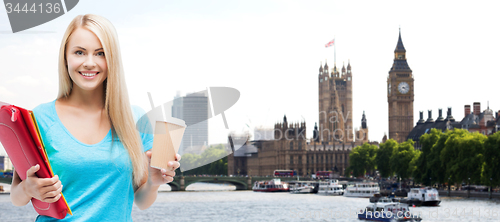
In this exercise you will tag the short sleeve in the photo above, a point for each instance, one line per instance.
(144, 127)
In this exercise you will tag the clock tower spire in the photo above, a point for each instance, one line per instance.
(400, 95)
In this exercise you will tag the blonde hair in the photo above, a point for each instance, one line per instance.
(116, 103)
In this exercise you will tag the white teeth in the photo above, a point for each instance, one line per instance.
(88, 74)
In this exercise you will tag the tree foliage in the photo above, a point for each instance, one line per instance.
(384, 154)
(362, 159)
(401, 159)
(422, 172)
(462, 156)
(217, 156)
(455, 156)
(490, 174)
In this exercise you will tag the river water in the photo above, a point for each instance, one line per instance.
(210, 202)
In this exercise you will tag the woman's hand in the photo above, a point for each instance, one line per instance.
(158, 177)
(44, 189)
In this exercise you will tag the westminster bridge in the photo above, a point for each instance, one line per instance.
(240, 182)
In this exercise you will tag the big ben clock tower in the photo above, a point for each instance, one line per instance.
(400, 95)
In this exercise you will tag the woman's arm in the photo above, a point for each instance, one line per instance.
(146, 194)
(44, 189)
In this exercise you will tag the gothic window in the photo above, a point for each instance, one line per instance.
(291, 145)
(300, 159)
(300, 146)
(291, 160)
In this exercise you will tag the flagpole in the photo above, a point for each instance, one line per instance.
(334, 52)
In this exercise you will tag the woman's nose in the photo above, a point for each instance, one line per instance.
(89, 62)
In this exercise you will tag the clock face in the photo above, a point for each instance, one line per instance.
(403, 87)
(389, 88)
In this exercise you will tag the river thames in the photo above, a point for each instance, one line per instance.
(210, 202)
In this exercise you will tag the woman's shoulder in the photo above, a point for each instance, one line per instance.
(137, 112)
(45, 113)
(45, 108)
(141, 119)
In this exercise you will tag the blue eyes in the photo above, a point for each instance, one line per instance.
(82, 53)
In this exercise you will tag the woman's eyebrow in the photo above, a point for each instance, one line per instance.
(86, 49)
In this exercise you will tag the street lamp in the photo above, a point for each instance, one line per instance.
(468, 189)
(491, 186)
(449, 186)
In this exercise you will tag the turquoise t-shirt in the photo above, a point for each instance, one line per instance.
(97, 179)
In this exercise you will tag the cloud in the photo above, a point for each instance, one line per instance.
(5, 94)
(24, 81)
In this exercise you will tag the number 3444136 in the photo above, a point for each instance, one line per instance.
(33, 8)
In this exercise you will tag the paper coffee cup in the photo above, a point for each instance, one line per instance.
(166, 143)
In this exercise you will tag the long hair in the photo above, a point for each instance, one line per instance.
(116, 103)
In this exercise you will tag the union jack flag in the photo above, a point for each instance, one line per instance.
(330, 43)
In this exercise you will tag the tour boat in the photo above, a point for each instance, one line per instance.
(274, 185)
(330, 187)
(422, 197)
(302, 187)
(362, 190)
(386, 210)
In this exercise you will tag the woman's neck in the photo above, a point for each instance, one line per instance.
(91, 100)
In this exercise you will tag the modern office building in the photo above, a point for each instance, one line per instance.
(193, 109)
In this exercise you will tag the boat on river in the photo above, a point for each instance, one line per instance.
(387, 210)
(362, 190)
(330, 187)
(422, 197)
(303, 187)
(274, 185)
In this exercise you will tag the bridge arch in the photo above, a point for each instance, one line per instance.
(239, 184)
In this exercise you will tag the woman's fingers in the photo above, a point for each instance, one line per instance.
(174, 164)
(32, 170)
(54, 187)
(52, 194)
(44, 189)
(53, 199)
(168, 178)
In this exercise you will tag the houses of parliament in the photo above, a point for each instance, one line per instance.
(334, 135)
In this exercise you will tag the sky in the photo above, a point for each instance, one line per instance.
(270, 51)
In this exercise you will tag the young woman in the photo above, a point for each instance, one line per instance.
(99, 156)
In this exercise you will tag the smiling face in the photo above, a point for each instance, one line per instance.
(86, 61)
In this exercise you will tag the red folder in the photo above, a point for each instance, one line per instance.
(21, 139)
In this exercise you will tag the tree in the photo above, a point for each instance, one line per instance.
(401, 158)
(212, 161)
(384, 154)
(491, 161)
(362, 159)
(462, 155)
(423, 169)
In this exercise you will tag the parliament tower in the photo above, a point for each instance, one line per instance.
(335, 105)
(400, 95)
